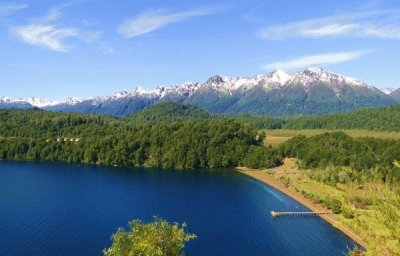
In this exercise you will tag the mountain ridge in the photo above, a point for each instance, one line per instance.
(311, 91)
(395, 94)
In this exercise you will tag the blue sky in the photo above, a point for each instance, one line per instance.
(85, 48)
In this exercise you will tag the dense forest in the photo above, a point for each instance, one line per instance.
(169, 112)
(37, 135)
(347, 158)
(382, 119)
(192, 139)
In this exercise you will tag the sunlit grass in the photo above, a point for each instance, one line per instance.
(370, 223)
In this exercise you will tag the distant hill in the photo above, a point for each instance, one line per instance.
(313, 91)
(168, 112)
(384, 119)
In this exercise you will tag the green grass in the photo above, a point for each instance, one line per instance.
(372, 223)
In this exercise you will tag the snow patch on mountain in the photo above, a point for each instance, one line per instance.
(312, 75)
(223, 84)
(280, 77)
(387, 91)
(40, 103)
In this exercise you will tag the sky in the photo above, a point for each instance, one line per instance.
(85, 48)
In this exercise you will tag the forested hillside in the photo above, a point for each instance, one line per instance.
(171, 112)
(383, 119)
(37, 135)
(168, 112)
(366, 158)
(379, 119)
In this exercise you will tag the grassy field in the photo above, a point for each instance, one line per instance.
(276, 137)
(371, 210)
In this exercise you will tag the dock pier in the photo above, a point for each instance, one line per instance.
(280, 214)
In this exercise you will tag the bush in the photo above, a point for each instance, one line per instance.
(355, 252)
(347, 213)
(336, 206)
(157, 238)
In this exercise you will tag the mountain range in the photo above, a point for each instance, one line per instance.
(312, 91)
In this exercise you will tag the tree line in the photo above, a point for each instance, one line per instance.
(337, 158)
(37, 135)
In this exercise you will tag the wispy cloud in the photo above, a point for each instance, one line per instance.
(379, 24)
(316, 60)
(45, 32)
(149, 21)
(48, 36)
(55, 13)
(7, 9)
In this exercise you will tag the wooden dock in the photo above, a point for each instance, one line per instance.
(279, 214)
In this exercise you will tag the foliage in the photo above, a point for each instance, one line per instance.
(378, 119)
(260, 122)
(357, 177)
(346, 158)
(369, 207)
(36, 135)
(336, 206)
(158, 238)
(168, 112)
(382, 119)
(355, 252)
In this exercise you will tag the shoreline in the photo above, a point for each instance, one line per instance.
(329, 218)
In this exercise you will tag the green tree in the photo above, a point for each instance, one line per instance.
(336, 206)
(157, 238)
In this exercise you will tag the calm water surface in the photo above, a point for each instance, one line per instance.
(60, 209)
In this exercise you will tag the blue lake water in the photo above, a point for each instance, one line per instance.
(60, 209)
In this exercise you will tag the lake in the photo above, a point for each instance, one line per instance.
(61, 209)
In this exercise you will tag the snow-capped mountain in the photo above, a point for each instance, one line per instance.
(388, 91)
(40, 103)
(311, 91)
(7, 102)
(395, 94)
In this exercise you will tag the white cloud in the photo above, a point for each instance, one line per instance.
(153, 20)
(316, 60)
(55, 13)
(44, 32)
(47, 36)
(379, 24)
(329, 30)
(11, 8)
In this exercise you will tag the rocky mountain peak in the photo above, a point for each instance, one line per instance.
(236, 95)
(279, 76)
(215, 80)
